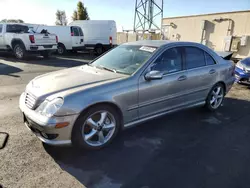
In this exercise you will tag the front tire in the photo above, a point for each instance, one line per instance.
(96, 128)
(215, 97)
(19, 51)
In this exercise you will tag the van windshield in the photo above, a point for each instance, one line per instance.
(125, 59)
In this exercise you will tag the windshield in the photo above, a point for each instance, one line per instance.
(125, 59)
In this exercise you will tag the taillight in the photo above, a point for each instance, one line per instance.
(110, 40)
(32, 38)
(72, 34)
(56, 39)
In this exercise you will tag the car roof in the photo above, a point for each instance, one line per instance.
(158, 43)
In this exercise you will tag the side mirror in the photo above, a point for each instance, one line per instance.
(153, 75)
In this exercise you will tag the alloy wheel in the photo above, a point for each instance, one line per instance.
(19, 52)
(98, 128)
(216, 97)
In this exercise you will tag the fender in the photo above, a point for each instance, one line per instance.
(15, 40)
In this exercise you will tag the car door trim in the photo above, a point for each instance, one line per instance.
(198, 103)
(162, 99)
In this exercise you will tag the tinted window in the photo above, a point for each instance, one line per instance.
(80, 31)
(1, 28)
(194, 57)
(209, 59)
(170, 61)
(15, 28)
(75, 31)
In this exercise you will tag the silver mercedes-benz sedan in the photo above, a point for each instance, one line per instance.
(135, 82)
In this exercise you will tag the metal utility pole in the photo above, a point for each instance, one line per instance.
(146, 14)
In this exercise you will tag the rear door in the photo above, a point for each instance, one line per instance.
(76, 37)
(202, 73)
(1, 36)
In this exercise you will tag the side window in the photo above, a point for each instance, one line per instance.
(75, 31)
(194, 57)
(209, 59)
(1, 28)
(170, 61)
(80, 31)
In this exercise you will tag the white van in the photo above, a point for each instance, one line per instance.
(69, 37)
(99, 35)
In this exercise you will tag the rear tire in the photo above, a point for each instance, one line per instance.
(99, 49)
(108, 128)
(61, 50)
(19, 51)
(215, 97)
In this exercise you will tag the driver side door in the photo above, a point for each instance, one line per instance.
(168, 93)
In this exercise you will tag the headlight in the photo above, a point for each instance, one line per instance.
(240, 65)
(49, 108)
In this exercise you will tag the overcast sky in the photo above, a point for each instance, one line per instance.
(122, 11)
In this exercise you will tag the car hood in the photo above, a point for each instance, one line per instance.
(71, 78)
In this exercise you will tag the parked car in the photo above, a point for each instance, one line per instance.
(133, 83)
(242, 70)
(99, 35)
(18, 38)
(70, 38)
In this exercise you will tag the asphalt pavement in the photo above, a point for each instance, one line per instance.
(191, 148)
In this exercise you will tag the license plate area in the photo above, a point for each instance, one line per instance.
(32, 125)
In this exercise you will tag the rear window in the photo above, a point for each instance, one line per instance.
(15, 28)
(194, 57)
(80, 31)
(209, 59)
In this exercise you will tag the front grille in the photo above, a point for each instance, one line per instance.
(30, 100)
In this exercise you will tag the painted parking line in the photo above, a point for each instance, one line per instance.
(3, 139)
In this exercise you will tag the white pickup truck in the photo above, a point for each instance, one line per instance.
(21, 41)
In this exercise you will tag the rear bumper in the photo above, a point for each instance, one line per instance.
(38, 48)
(229, 84)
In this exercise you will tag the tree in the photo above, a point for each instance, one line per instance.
(74, 17)
(61, 17)
(81, 13)
(12, 21)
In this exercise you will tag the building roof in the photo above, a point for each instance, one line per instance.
(217, 13)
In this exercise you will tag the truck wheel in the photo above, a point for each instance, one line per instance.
(61, 50)
(19, 51)
(45, 54)
(99, 49)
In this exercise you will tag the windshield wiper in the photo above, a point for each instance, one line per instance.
(108, 69)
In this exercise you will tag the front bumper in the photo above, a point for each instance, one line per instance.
(241, 75)
(44, 127)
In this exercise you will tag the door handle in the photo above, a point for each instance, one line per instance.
(181, 78)
(212, 71)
